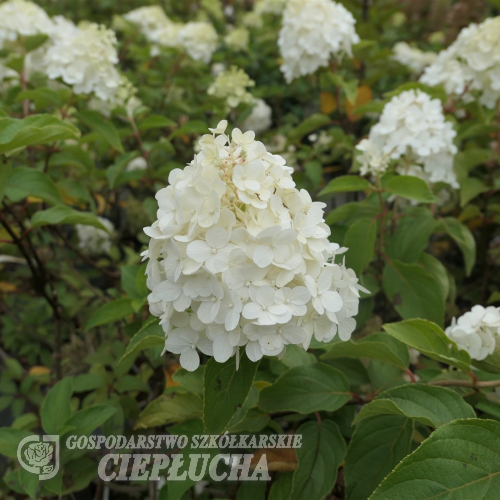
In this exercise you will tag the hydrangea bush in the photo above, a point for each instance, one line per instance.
(253, 218)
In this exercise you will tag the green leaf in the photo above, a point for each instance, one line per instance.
(359, 255)
(41, 97)
(413, 292)
(306, 389)
(10, 439)
(56, 407)
(411, 187)
(310, 124)
(104, 128)
(459, 461)
(89, 419)
(411, 236)
(434, 267)
(156, 121)
(379, 346)
(344, 184)
(65, 215)
(173, 407)
(150, 335)
(110, 312)
(429, 405)
(225, 391)
(29, 482)
(463, 238)
(314, 171)
(5, 170)
(470, 189)
(34, 41)
(377, 446)
(25, 181)
(430, 340)
(319, 458)
(16, 134)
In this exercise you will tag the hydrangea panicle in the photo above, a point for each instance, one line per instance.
(312, 32)
(239, 257)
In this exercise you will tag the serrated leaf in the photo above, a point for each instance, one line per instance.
(24, 182)
(463, 238)
(412, 188)
(459, 461)
(225, 390)
(359, 256)
(110, 312)
(376, 447)
(344, 184)
(379, 346)
(429, 405)
(174, 407)
(430, 340)
(56, 407)
(16, 134)
(150, 335)
(319, 458)
(65, 215)
(306, 389)
(103, 127)
(413, 292)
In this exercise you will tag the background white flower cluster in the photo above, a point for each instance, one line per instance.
(470, 63)
(231, 85)
(83, 56)
(198, 39)
(477, 331)
(312, 32)
(240, 257)
(415, 59)
(412, 128)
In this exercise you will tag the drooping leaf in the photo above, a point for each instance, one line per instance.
(430, 340)
(377, 446)
(359, 256)
(319, 458)
(305, 389)
(430, 405)
(344, 184)
(460, 460)
(56, 407)
(103, 127)
(413, 292)
(412, 188)
(24, 182)
(225, 391)
(463, 238)
(65, 215)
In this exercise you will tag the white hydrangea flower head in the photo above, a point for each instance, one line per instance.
(238, 39)
(412, 126)
(252, 19)
(199, 40)
(416, 60)
(231, 85)
(477, 331)
(240, 257)
(269, 6)
(149, 20)
(93, 240)
(260, 118)
(312, 32)
(85, 57)
(471, 62)
(22, 18)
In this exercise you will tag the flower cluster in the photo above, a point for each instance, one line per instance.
(477, 331)
(416, 60)
(199, 40)
(240, 257)
(85, 57)
(412, 126)
(470, 63)
(93, 240)
(312, 32)
(259, 120)
(238, 39)
(231, 85)
(22, 18)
